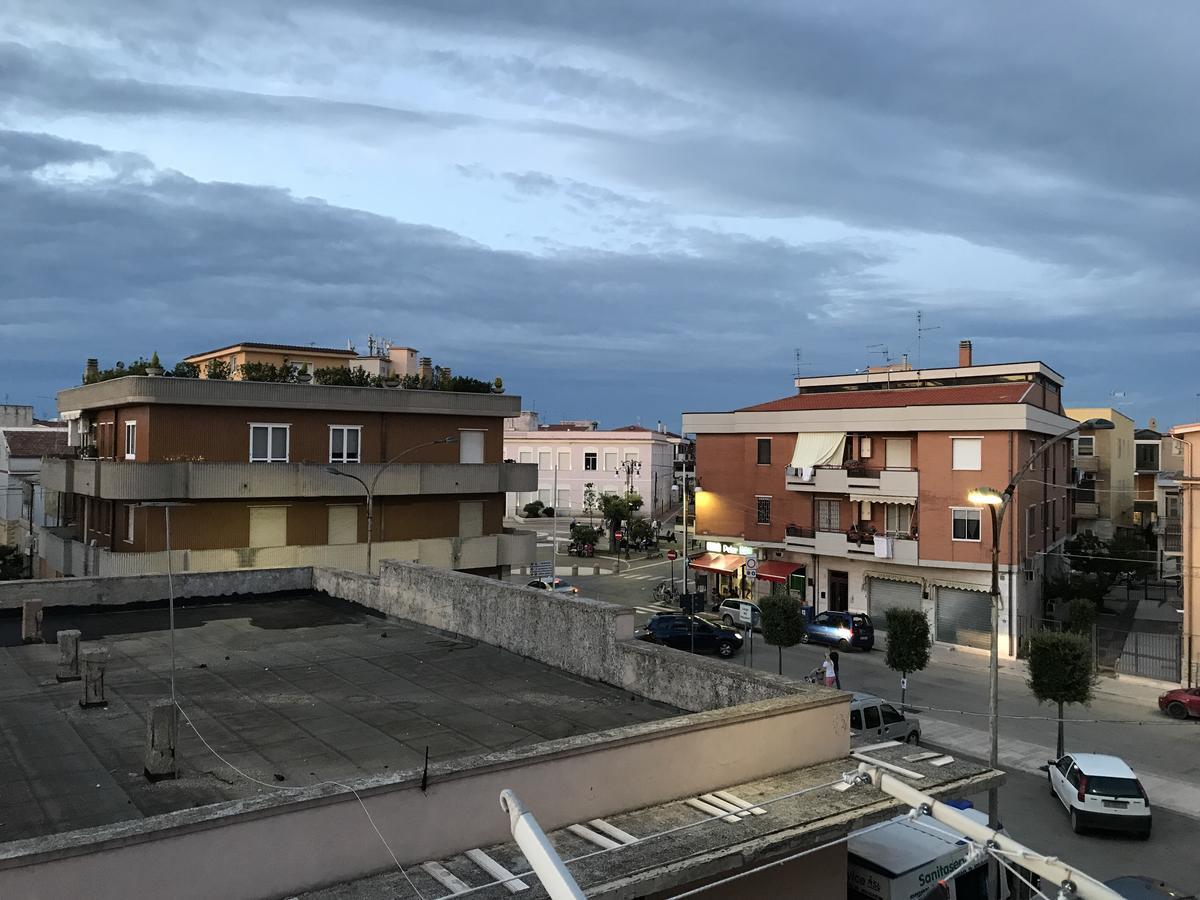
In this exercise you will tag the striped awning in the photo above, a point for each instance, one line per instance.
(876, 498)
(895, 576)
(962, 585)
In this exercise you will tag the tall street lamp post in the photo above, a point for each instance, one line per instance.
(370, 488)
(997, 504)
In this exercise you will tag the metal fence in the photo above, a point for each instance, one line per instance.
(1148, 654)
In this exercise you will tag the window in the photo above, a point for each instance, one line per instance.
(129, 513)
(1030, 527)
(268, 526)
(544, 494)
(610, 460)
(967, 454)
(470, 519)
(544, 464)
(1086, 492)
(526, 456)
(470, 447)
(871, 716)
(966, 524)
(563, 501)
(864, 448)
(897, 518)
(897, 453)
(343, 525)
(629, 455)
(856, 720)
(589, 462)
(764, 451)
(345, 442)
(1085, 446)
(1146, 456)
(829, 515)
(564, 459)
(269, 443)
(891, 716)
(131, 440)
(764, 510)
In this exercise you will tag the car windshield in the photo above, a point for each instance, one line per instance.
(1107, 786)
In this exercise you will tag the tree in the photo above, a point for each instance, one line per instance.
(591, 502)
(782, 623)
(641, 529)
(11, 563)
(1060, 671)
(585, 534)
(615, 509)
(1081, 615)
(186, 370)
(218, 370)
(908, 643)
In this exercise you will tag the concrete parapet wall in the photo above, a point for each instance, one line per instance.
(124, 589)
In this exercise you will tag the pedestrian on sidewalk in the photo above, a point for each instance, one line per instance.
(830, 672)
(837, 669)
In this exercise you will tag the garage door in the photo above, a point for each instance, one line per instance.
(964, 617)
(885, 594)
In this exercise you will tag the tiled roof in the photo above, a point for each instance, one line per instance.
(250, 345)
(36, 444)
(961, 395)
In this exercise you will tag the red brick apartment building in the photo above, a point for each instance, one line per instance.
(860, 482)
(247, 463)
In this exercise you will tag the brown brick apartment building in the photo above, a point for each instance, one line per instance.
(860, 482)
(247, 462)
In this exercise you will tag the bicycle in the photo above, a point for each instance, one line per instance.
(664, 591)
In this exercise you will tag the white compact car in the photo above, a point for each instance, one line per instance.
(1100, 792)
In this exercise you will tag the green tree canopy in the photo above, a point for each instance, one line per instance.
(1060, 671)
(11, 564)
(908, 643)
(782, 623)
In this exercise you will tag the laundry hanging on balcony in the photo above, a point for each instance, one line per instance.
(816, 448)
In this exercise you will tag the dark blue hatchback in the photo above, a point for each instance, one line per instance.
(841, 629)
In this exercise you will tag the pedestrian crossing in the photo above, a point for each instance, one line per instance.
(634, 576)
(654, 608)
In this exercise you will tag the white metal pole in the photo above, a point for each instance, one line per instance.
(540, 853)
(554, 535)
(171, 614)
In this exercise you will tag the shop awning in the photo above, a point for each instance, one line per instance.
(876, 498)
(818, 448)
(894, 576)
(777, 570)
(961, 585)
(725, 563)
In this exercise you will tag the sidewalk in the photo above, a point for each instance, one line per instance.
(1178, 796)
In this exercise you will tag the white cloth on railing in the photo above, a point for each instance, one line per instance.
(883, 546)
(806, 473)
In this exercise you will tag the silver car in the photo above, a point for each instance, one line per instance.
(874, 718)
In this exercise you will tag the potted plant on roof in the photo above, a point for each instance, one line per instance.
(498, 385)
(392, 381)
(155, 367)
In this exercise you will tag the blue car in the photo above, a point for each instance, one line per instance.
(841, 629)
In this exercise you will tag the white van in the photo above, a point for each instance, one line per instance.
(877, 720)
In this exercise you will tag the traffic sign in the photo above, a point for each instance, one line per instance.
(544, 569)
(745, 613)
(751, 567)
(672, 555)
(618, 535)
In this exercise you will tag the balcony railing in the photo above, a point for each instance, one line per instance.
(867, 480)
(1173, 542)
(900, 547)
(1087, 510)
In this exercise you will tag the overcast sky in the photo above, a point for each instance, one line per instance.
(626, 209)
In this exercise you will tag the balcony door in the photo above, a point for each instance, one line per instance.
(839, 591)
(898, 453)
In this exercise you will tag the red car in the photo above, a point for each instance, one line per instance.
(1181, 703)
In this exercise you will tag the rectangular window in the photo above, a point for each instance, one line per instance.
(966, 524)
(1085, 446)
(470, 447)
(764, 510)
(470, 519)
(564, 459)
(544, 494)
(864, 448)
(131, 440)
(1030, 528)
(610, 460)
(268, 526)
(563, 501)
(897, 518)
(1146, 456)
(269, 443)
(129, 513)
(1086, 492)
(897, 453)
(829, 515)
(764, 451)
(343, 525)
(345, 442)
(526, 456)
(544, 463)
(630, 455)
(967, 454)
(589, 462)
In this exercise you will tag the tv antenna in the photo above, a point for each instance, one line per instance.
(800, 364)
(921, 329)
(882, 350)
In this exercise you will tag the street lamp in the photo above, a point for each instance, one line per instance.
(370, 488)
(687, 562)
(997, 504)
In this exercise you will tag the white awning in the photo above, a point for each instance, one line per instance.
(893, 576)
(961, 585)
(876, 498)
(818, 448)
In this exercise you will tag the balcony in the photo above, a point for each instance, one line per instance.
(1086, 463)
(837, 544)
(1087, 509)
(132, 481)
(865, 483)
(1172, 542)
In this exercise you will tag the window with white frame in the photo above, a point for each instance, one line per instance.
(1030, 528)
(345, 443)
(965, 524)
(864, 448)
(589, 461)
(630, 455)
(544, 460)
(764, 510)
(1085, 446)
(897, 518)
(563, 500)
(564, 459)
(269, 443)
(129, 516)
(546, 496)
(610, 460)
(526, 456)
(131, 440)
(967, 454)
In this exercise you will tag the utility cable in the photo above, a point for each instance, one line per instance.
(276, 787)
(999, 855)
(984, 715)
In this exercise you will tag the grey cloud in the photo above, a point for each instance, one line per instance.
(28, 152)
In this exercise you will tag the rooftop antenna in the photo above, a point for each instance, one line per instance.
(921, 329)
(882, 349)
(800, 364)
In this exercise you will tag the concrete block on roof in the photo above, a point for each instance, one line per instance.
(31, 622)
(68, 655)
(94, 661)
(162, 727)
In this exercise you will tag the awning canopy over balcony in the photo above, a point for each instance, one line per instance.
(725, 563)
(818, 448)
(777, 570)
(876, 498)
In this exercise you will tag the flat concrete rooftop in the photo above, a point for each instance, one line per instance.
(292, 690)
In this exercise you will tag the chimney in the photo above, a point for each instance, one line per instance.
(91, 369)
(660, 427)
(964, 354)
(1153, 425)
(426, 370)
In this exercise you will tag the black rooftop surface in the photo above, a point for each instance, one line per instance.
(306, 688)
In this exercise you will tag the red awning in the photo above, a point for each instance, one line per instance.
(776, 570)
(725, 563)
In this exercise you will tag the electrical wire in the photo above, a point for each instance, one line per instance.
(984, 715)
(999, 855)
(275, 787)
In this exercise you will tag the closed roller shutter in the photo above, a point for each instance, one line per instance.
(885, 595)
(343, 525)
(268, 526)
(964, 617)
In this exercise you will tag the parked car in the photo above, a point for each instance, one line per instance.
(1100, 791)
(557, 585)
(684, 632)
(873, 717)
(730, 612)
(1140, 887)
(842, 629)
(1181, 703)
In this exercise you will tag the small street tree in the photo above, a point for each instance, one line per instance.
(782, 624)
(908, 643)
(615, 509)
(591, 501)
(1060, 671)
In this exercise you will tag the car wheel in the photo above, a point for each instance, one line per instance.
(1075, 824)
(728, 620)
(1177, 710)
(843, 645)
(914, 737)
(725, 649)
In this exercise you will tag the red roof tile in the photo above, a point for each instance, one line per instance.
(36, 444)
(960, 395)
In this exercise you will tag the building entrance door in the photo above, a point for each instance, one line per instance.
(839, 591)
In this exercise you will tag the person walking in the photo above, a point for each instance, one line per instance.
(837, 669)
(830, 672)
